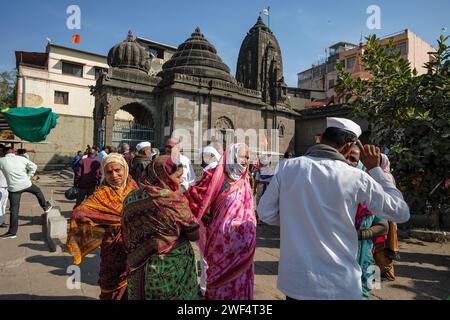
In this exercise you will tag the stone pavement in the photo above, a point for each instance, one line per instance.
(28, 270)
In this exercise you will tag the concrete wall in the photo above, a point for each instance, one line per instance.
(307, 129)
(417, 55)
(287, 140)
(40, 85)
(188, 110)
(247, 118)
(70, 135)
(167, 110)
(418, 52)
(313, 84)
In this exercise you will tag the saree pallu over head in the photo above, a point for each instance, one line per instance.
(208, 187)
(228, 243)
(97, 214)
(156, 218)
(96, 223)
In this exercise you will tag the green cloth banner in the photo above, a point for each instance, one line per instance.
(30, 124)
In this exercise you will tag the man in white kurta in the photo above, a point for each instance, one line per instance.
(188, 177)
(314, 200)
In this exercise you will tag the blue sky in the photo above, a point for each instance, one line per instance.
(303, 28)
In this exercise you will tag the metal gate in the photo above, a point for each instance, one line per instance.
(130, 133)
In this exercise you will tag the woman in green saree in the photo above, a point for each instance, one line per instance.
(369, 227)
(157, 225)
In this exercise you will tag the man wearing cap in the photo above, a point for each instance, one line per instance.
(173, 149)
(141, 160)
(313, 199)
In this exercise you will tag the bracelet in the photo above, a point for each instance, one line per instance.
(365, 234)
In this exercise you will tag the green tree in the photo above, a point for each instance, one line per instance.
(7, 89)
(409, 114)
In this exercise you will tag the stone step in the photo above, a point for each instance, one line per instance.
(55, 228)
(67, 173)
(430, 235)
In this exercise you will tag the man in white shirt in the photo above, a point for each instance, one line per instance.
(314, 200)
(173, 149)
(18, 172)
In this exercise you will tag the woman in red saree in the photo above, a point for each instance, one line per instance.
(223, 203)
(96, 223)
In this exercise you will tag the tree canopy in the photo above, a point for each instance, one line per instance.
(409, 114)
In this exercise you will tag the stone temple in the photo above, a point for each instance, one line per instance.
(194, 90)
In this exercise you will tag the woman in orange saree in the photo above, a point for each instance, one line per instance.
(96, 223)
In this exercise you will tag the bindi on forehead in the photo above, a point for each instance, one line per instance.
(113, 166)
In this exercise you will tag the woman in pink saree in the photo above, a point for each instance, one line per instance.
(223, 203)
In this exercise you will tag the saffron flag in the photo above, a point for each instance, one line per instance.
(264, 141)
(76, 38)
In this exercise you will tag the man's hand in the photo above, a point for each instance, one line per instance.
(370, 155)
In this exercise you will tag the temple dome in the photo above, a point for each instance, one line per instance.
(197, 57)
(129, 54)
(260, 46)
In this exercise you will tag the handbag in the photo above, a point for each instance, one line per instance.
(72, 193)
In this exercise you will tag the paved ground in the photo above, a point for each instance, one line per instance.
(29, 271)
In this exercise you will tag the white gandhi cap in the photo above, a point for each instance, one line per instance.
(143, 145)
(346, 124)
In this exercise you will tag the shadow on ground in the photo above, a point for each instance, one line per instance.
(89, 267)
(428, 283)
(267, 236)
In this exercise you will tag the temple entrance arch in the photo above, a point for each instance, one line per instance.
(224, 131)
(131, 123)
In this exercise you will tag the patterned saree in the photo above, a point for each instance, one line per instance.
(156, 225)
(96, 223)
(228, 243)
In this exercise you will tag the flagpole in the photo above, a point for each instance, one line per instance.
(268, 17)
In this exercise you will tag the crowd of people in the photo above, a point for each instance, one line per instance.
(145, 210)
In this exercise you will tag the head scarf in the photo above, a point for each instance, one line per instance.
(119, 159)
(213, 153)
(99, 212)
(233, 168)
(159, 173)
(208, 187)
(386, 167)
(211, 150)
